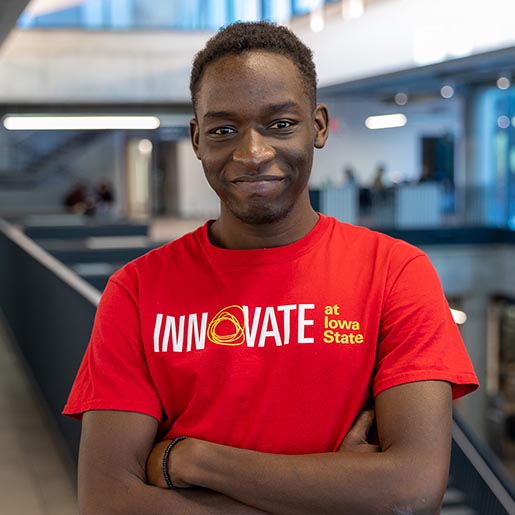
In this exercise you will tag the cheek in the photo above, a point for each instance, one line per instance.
(300, 160)
(209, 173)
(210, 162)
(213, 172)
(214, 159)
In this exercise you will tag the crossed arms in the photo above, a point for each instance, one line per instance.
(120, 469)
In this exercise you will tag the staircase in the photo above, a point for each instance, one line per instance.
(479, 484)
(36, 158)
(455, 502)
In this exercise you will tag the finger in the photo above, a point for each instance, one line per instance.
(359, 430)
(363, 424)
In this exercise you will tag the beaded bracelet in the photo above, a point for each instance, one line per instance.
(165, 460)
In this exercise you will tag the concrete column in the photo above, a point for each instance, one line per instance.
(196, 198)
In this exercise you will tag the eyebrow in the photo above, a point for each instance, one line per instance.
(274, 108)
(218, 114)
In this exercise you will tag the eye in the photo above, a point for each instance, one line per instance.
(281, 124)
(223, 131)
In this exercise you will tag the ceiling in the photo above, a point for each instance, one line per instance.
(425, 81)
(421, 82)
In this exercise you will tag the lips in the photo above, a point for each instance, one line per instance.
(258, 178)
(259, 184)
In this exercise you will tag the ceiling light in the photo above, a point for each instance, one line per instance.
(460, 317)
(386, 121)
(49, 123)
(401, 99)
(503, 122)
(503, 82)
(447, 91)
(145, 146)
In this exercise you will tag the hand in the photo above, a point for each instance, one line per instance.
(357, 439)
(154, 468)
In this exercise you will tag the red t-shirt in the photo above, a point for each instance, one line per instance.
(275, 349)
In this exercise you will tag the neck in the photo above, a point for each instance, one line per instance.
(231, 233)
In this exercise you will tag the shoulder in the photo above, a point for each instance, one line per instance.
(371, 244)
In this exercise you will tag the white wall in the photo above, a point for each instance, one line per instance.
(351, 143)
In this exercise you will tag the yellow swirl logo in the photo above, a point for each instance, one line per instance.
(227, 326)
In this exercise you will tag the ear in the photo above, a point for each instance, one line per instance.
(194, 136)
(321, 120)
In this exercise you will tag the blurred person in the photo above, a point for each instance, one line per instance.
(230, 371)
(349, 177)
(104, 193)
(104, 196)
(378, 183)
(381, 200)
(79, 201)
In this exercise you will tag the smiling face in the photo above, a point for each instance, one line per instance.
(254, 131)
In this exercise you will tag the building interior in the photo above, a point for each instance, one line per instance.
(96, 168)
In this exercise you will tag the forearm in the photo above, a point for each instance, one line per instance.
(409, 475)
(343, 482)
(114, 449)
(137, 498)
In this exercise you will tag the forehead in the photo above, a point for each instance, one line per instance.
(249, 78)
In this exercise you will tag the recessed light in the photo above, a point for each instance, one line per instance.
(401, 99)
(503, 82)
(447, 91)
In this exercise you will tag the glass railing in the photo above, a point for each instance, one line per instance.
(40, 328)
(427, 205)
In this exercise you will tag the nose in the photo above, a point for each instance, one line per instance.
(253, 150)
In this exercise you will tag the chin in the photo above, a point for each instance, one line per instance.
(261, 215)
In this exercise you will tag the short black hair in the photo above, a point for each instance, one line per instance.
(240, 37)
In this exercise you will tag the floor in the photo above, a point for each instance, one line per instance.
(35, 476)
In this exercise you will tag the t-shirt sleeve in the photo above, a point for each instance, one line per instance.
(419, 340)
(114, 374)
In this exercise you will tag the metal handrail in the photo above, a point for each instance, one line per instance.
(49, 262)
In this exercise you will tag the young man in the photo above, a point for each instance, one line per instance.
(262, 335)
